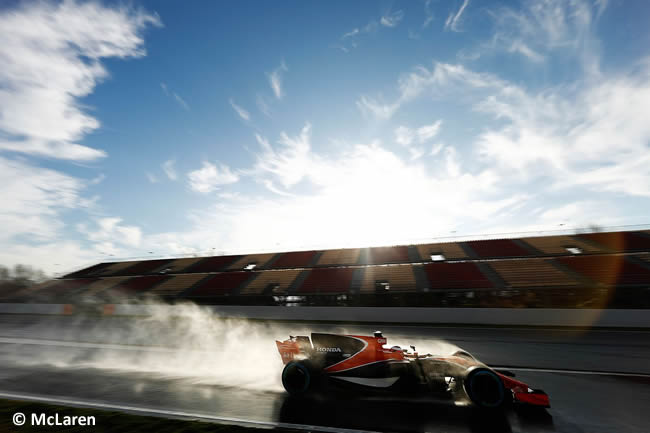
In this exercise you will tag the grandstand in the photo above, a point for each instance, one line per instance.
(564, 271)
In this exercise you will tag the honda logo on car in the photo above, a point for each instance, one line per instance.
(328, 349)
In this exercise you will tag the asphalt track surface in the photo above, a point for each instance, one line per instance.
(598, 381)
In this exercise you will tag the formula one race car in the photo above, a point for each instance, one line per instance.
(368, 364)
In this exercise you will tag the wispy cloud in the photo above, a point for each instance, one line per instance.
(33, 199)
(275, 80)
(170, 169)
(374, 108)
(240, 110)
(151, 177)
(392, 19)
(111, 230)
(175, 96)
(51, 58)
(263, 105)
(291, 162)
(420, 80)
(348, 39)
(428, 19)
(210, 177)
(335, 180)
(537, 32)
(98, 179)
(413, 139)
(428, 14)
(453, 20)
(351, 33)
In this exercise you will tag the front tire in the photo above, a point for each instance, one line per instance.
(485, 388)
(297, 378)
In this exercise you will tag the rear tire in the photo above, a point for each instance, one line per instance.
(485, 388)
(298, 378)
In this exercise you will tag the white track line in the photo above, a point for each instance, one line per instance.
(174, 413)
(586, 372)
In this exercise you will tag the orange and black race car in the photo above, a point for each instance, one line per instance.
(368, 364)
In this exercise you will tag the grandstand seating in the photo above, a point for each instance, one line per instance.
(139, 284)
(526, 273)
(398, 277)
(281, 279)
(327, 280)
(179, 265)
(101, 285)
(144, 267)
(89, 271)
(212, 264)
(451, 250)
(535, 271)
(220, 284)
(295, 259)
(609, 270)
(461, 275)
(559, 244)
(493, 248)
(619, 241)
(66, 287)
(347, 256)
(259, 259)
(116, 268)
(386, 255)
(177, 284)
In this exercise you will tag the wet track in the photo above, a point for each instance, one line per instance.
(47, 357)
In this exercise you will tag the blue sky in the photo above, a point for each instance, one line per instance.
(176, 129)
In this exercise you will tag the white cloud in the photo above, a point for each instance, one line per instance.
(357, 198)
(210, 176)
(98, 179)
(151, 177)
(263, 105)
(33, 200)
(406, 137)
(170, 169)
(587, 134)
(240, 111)
(392, 19)
(351, 33)
(427, 132)
(389, 20)
(109, 230)
(594, 135)
(289, 164)
(437, 81)
(180, 101)
(371, 107)
(523, 49)
(436, 148)
(538, 30)
(428, 14)
(50, 55)
(453, 19)
(53, 257)
(275, 80)
(35, 203)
